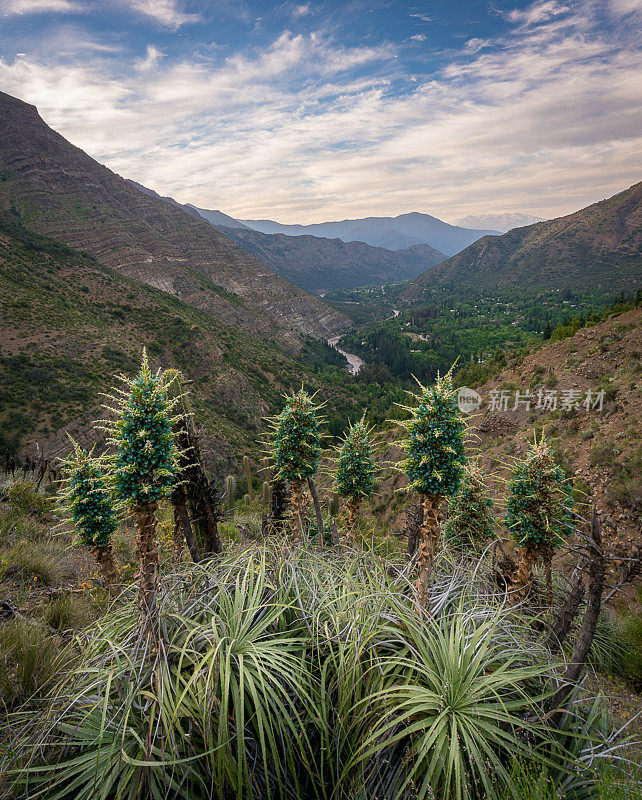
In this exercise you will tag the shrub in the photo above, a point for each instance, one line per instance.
(296, 674)
(24, 496)
(29, 659)
(632, 658)
(24, 564)
(68, 612)
(603, 454)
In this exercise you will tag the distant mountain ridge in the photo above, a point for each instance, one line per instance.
(498, 222)
(392, 233)
(316, 263)
(597, 247)
(53, 188)
(216, 218)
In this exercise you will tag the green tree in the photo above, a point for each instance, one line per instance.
(144, 466)
(539, 513)
(91, 507)
(296, 446)
(355, 473)
(469, 520)
(434, 446)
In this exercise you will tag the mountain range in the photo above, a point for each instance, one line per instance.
(393, 233)
(316, 263)
(498, 222)
(598, 247)
(55, 189)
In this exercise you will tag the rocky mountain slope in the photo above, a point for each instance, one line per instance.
(393, 233)
(68, 324)
(600, 447)
(599, 247)
(315, 263)
(55, 189)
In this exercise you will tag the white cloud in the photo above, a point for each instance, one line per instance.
(475, 45)
(537, 12)
(622, 8)
(164, 12)
(418, 37)
(549, 119)
(301, 11)
(151, 58)
(11, 7)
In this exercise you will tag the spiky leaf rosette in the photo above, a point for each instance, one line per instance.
(146, 460)
(434, 443)
(469, 518)
(539, 511)
(88, 498)
(355, 475)
(295, 438)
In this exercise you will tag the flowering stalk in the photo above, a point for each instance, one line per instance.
(296, 447)
(539, 514)
(144, 467)
(355, 474)
(434, 462)
(470, 522)
(91, 507)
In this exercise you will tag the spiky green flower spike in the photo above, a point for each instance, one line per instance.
(146, 459)
(355, 475)
(91, 507)
(434, 462)
(296, 445)
(539, 512)
(469, 518)
(145, 465)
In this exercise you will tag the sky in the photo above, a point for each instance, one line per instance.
(312, 111)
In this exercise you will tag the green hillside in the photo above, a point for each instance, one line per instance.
(68, 323)
(598, 247)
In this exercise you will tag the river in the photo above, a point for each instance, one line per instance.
(354, 362)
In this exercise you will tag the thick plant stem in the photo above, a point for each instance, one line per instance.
(148, 561)
(521, 580)
(297, 501)
(430, 536)
(105, 558)
(414, 521)
(317, 509)
(352, 509)
(278, 505)
(548, 557)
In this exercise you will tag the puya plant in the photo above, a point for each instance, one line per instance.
(435, 458)
(539, 513)
(295, 447)
(355, 471)
(470, 523)
(144, 466)
(90, 505)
